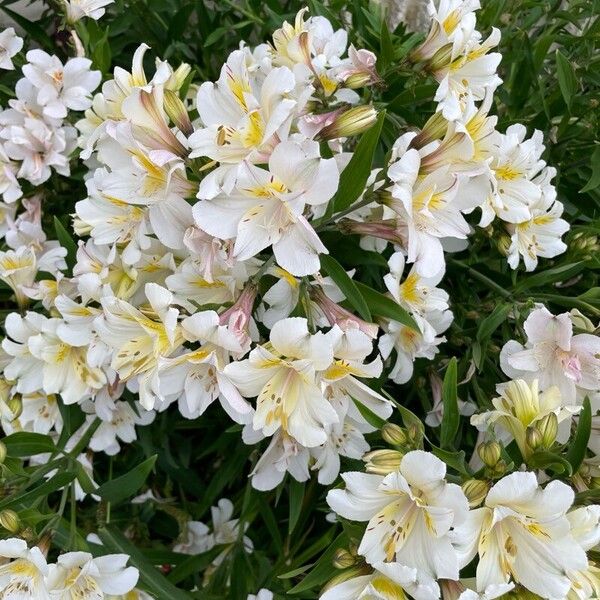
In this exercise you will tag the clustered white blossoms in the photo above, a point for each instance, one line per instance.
(25, 573)
(198, 194)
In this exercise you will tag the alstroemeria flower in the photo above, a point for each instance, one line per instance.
(24, 576)
(410, 512)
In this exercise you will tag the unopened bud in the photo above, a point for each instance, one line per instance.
(503, 244)
(358, 80)
(9, 519)
(177, 112)
(177, 78)
(3, 452)
(580, 321)
(475, 490)
(345, 576)
(533, 437)
(548, 427)
(500, 469)
(434, 129)
(440, 59)
(353, 121)
(393, 434)
(595, 483)
(414, 433)
(15, 406)
(490, 453)
(382, 462)
(342, 559)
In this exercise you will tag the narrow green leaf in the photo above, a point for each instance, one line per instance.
(550, 461)
(58, 482)
(24, 444)
(455, 460)
(150, 577)
(117, 490)
(295, 572)
(33, 29)
(346, 285)
(594, 180)
(493, 321)
(368, 415)
(578, 446)
(386, 46)
(296, 496)
(383, 306)
(87, 485)
(451, 417)
(66, 241)
(354, 177)
(567, 80)
(561, 273)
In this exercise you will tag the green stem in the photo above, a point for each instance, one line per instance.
(481, 277)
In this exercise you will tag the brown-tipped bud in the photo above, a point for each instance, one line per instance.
(475, 490)
(342, 559)
(177, 112)
(393, 434)
(382, 462)
(10, 520)
(2, 452)
(15, 406)
(353, 121)
(548, 428)
(434, 129)
(490, 453)
(441, 59)
(533, 437)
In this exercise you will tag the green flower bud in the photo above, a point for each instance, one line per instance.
(382, 462)
(10, 520)
(393, 434)
(548, 427)
(342, 559)
(534, 438)
(475, 490)
(490, 453)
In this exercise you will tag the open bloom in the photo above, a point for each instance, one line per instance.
(78, 575)
(410, 512)
(522, 535)
(77, 9)
(282, 375)
(24, 576)
(266, 207)
(553, 355)
(10, 44)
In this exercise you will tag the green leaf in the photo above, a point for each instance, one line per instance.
(66, 241)
(150, 577)
(323, 568)
(126, 485)
(296, 495)
(354, 177)
(58, 482)
(33, 29)
(578, 446)
(551, 461)
(567, 80)
(386, 46)
(561, 273)
(24, 444)
(594, 180)
(346, 285)
(368, 415)
(493, 321)
(455, 460)
(87, 485)
(383, 306)
(451, 419)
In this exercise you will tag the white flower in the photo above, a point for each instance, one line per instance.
(243, 115)
(10, 45)
(282, 375)
(553, 355)
(585, 525)
(522, 534)
(10, 189)
(24, 577)
(263, 594)
(266, 208)
(429, 208)
(411, 513)
(18, 270)
(61, 87)
(77, 575)
(196, 539)
(520, 406)
(389, 581)
(77, 9)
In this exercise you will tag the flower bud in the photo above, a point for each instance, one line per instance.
(9, 519)
(595, 483)
(580, 321)
(503, 244)
(440, 59)
(393, 434)
(434, 129)
(15, 406)
(475, 490)
(342, 559)
(345, 576)
(358, 80)
(533, 437)
(548, 428)
(3, 452)
(490, 453)
(177, 78)
(382, 462)
(177, 112)
(353, 121)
